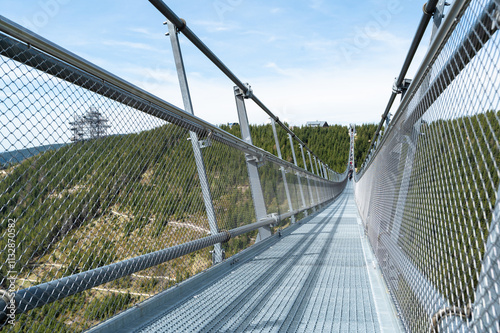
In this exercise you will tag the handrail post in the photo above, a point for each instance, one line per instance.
(323, 175)
(283, 172)
(297, 174)
(320, 174)
(411, 144)
(315, 181)
(320, 185)
(252, 165)
(308, 179)
(217, 255)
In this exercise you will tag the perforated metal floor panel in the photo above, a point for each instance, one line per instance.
(315, 279)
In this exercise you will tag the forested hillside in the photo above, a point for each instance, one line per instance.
(364, 135)
(331, 144)
(96, 202)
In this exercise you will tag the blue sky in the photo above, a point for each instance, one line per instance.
(306, 60)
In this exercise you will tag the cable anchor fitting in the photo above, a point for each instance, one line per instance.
(178, 29)
(424, 9)
(246, 93)
(249, 92)
(395, 88)
(448, 312)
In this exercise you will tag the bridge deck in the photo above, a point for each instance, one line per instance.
(318, 277)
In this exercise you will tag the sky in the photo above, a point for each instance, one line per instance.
(306, 60)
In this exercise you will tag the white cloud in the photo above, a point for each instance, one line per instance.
(215, 26)
(144, 32)
(316, 4)
(357, 96)
(337, 96)
(293, 73)
(132, 45)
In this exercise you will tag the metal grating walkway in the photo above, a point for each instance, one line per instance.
(313, 279)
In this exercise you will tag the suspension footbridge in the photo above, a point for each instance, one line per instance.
(160, 221)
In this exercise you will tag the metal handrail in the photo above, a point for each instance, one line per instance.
(447, 25)
(184, 29)
(31, 49)
(428, 10)
(470, 45)
(39, 295)
(125, 92)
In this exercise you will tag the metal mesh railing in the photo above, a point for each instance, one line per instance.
(429, 193)
(101, 204)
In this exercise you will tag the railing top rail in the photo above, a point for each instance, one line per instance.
(182, 27)
(428, 9)
(102, 76)
(428, 193)
(446, 26)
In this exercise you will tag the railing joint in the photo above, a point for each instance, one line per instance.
(275, 217)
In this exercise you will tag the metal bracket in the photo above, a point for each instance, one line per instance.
(178, 29)
(214, 262)
(205, 143)
(6, 296)
(256, 159)
(401, 89)
(248, 94)
(496, 20)
(395, 88)
(404, 87)
(274, 216)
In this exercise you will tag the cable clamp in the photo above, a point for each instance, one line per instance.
(450, 311)
(228, 235)
(275, 217)
(395, 88)
(495, 23)
(425, 10)
(179, 29)
(249, 92)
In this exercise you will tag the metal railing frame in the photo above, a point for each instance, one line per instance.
(469, 46)
(124, 92)
(39, 295)
(32, 50)
(245, 88)
(195, 143)
(429, 10)
(441, 35)
(176, 26)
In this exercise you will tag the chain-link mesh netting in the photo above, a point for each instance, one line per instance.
(429, 195)
(94, 175)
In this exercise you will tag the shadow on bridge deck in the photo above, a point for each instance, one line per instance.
(317, 277)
